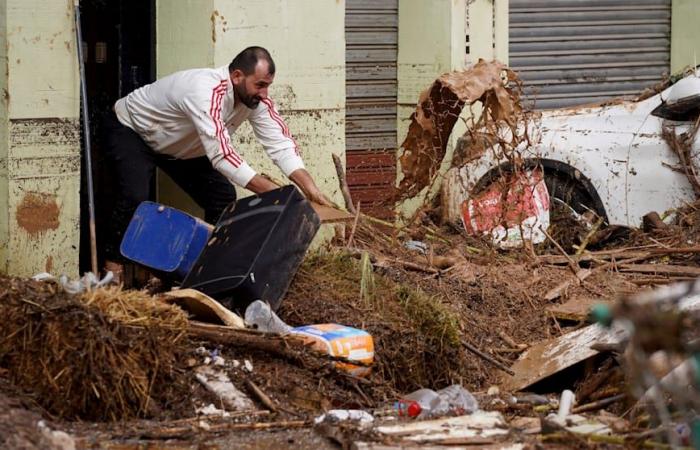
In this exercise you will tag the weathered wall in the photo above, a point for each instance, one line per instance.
(183, 35)
(685, 34)
(306, 40)
(440, 46)
(39, 139)
(4, 124)
(431, 42)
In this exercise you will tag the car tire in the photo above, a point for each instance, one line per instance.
(571, 192)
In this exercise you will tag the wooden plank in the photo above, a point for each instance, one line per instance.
(554, 355)
(591, 256)
(330, 215)
(575, 309)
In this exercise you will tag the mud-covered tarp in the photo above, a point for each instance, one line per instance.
(439, 107)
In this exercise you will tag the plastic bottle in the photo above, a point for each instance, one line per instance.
(423, 403)
(260, 315)
(407, 408)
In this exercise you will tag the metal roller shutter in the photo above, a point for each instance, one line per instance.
(371, 33)
(571, 52)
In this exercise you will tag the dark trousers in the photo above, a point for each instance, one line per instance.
(133, 164)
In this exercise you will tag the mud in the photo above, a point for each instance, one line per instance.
(38, 213)
(490, 83)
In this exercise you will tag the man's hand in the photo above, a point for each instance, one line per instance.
(303, 179)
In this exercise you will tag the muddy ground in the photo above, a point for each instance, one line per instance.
(119, 368)
(419, 308)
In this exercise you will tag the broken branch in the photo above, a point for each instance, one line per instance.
(344, 189)
(486, 357)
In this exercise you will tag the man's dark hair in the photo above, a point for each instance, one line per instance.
(246, 60)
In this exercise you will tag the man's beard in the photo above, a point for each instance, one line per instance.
(250, 101)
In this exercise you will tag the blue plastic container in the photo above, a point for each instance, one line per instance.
(165, 239)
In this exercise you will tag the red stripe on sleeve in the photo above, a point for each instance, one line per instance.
(228, 152)
(274, 115)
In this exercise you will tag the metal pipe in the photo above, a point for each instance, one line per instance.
(86, 133)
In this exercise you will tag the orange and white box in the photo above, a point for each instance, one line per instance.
(341, 341)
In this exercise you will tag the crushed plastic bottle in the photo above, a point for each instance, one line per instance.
(424, 403)
(261, 316)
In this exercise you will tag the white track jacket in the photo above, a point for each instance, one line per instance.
(192, 113)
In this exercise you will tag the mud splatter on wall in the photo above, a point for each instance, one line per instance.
(38, 213)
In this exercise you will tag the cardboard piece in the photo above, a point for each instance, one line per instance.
(203, 308)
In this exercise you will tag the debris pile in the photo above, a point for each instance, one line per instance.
(104, 355)
(496, 87)
(472, 344)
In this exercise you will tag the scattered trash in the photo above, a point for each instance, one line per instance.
(566, 402)
(211, 410)
(260, 316)
(354, 345)
(417, 246)
(87, 282)
(59, 440)
(363, 418)
(481, 427)
(218, 383)
(424, 403)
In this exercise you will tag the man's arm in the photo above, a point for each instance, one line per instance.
(274, 135)
(303, 179)
(259, 184)
(203, 106)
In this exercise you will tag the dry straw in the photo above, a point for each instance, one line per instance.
(107, 354)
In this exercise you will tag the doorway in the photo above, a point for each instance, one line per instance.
(119, 54)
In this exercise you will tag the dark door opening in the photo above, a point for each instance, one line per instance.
(119, 53)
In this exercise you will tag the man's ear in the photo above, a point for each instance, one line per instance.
(237, 76)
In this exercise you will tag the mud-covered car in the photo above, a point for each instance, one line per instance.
(613, 159)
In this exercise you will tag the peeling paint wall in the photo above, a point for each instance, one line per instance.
(685, 34)
(39, 139)
(306, 40)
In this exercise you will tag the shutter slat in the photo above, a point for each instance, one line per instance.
(570, 52)
(371, 35)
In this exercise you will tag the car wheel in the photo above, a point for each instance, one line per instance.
(572, 209)
(571, 192)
